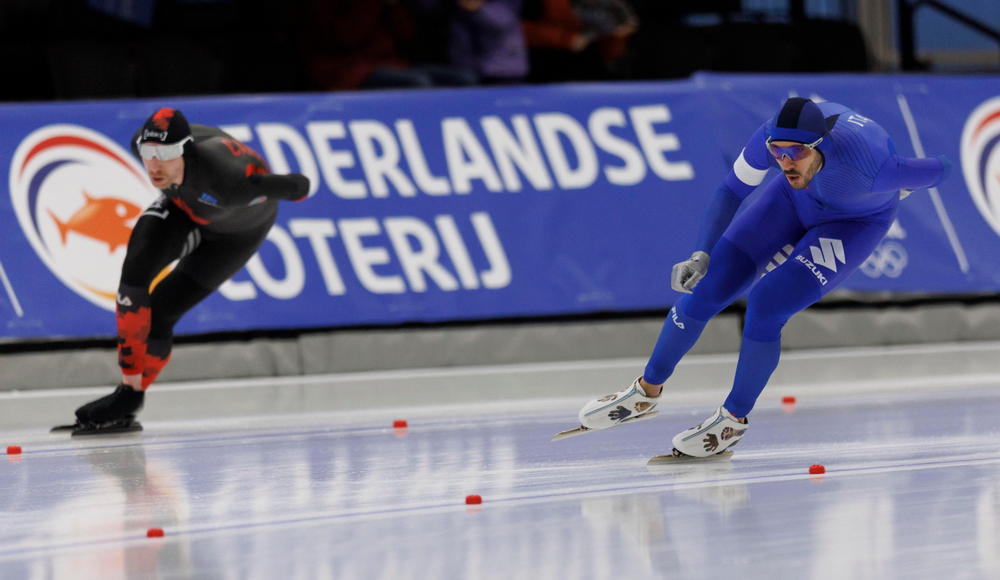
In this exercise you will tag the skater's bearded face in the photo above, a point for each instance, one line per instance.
(164, 174)
(800, 166)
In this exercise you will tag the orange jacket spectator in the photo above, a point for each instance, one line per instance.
(560, 26)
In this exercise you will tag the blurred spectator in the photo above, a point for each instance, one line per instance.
(577, 39)
(351, 44)
(486, 37)
(613, 22)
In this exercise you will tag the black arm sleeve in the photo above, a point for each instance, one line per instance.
(293, 187)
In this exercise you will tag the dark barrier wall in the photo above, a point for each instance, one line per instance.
(474, 204)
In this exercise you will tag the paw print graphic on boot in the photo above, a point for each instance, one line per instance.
(711, 443)
(728, 433)
(619, 413)
(627, 404)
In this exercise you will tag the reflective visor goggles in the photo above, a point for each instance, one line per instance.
(163, 152)
(795, 151)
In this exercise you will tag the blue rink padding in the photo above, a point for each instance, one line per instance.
(445, 205)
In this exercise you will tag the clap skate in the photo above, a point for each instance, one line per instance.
(709, 440)
(626, 406)
(126, 424)
(114, 413)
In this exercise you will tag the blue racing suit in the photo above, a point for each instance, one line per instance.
(819, 235)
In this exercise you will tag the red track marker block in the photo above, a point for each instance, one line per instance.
(400, 424)
(13, 450)
(816, 469)
(154, 533)
(473, 499)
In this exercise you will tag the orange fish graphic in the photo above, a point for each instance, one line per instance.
(105, 219)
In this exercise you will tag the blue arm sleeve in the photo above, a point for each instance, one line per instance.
(911, 173)
(719, 214)
(747, 173)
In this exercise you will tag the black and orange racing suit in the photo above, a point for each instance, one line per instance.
(213, 223)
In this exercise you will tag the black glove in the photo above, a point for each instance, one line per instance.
(123, 402)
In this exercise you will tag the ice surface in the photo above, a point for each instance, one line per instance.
(911, 490)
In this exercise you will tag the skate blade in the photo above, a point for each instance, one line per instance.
(88, 431)
(581, 429)
(671, 458)
(77, 429)
(570, 433)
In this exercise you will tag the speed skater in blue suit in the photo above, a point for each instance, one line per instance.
(841, 186)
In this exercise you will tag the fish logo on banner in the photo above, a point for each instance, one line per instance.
(981, 160)
(77, 195)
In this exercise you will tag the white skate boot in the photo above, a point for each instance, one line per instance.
(714, 436)
(630, 404)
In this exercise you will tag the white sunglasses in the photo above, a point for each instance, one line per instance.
(795, 151)
(163, 152)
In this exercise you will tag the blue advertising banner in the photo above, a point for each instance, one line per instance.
(473, 204)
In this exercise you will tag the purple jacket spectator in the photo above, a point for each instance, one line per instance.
(486, 38)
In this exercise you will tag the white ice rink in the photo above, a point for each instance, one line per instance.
(911, 490)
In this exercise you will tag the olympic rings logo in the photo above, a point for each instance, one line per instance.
(889, 259)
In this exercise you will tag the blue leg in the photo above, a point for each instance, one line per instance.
(793, 287)
(758, 359)
(730, 272)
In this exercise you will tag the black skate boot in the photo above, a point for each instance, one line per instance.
(114, 413)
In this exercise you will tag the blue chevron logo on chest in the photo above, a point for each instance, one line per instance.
(208, 200)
